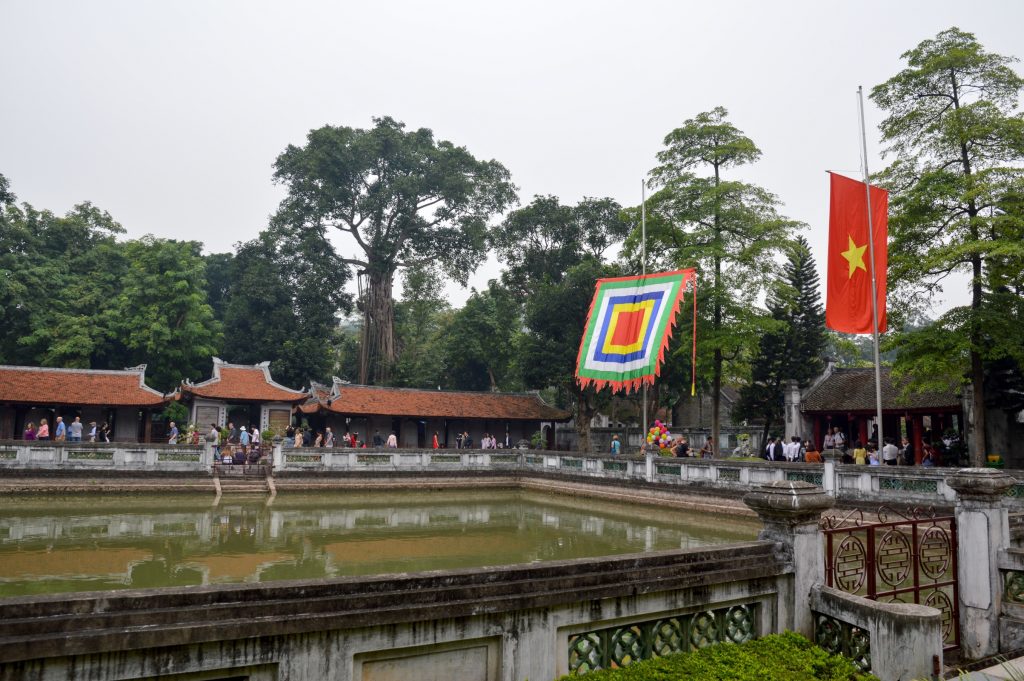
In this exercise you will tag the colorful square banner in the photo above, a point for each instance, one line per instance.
(628, 329)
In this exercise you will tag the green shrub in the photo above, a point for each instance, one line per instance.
(786, 656)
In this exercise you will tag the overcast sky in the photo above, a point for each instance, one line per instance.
(169, 115)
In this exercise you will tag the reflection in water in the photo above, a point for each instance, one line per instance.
(88, 543)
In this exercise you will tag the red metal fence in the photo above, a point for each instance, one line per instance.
(902, 558)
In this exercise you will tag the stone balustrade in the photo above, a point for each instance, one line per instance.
(68, 455)
(845, 482)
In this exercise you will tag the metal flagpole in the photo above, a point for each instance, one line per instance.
(643, 271)
(871, 254)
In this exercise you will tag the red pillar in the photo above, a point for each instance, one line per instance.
(862, 430)
(819, 440)
(917, 433)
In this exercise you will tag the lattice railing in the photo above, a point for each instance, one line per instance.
(843, 638)
(813, 478)
(624, 644)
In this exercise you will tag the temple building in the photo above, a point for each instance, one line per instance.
(119, 398)
(243, 394)
(416, 415)
(845, 398)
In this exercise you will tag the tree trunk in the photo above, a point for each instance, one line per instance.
(716, 376)
(978, 444)
(377, 351)
(585, 411)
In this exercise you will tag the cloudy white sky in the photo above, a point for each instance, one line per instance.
(170, 114)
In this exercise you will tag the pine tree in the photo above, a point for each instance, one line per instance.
(793, 341)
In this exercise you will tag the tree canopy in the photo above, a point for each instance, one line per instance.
(729, 230)
(957, 140)
(404, 198)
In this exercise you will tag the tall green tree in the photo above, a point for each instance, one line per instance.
(164, 319)
(793, 341)
(59, 278)
(404, 198)
(555, 314)
(958, 140)
(285, 294)
(480, 344)
(553, 252)
(729, 230)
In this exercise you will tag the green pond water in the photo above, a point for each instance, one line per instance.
(86, 543)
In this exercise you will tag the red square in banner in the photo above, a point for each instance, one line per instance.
(628, 327)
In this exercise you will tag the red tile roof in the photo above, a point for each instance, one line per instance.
(364, 400)
(50, 386)
(247, 382)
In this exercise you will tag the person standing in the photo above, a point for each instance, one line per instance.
(329, 437)
(214, 438)
(890, 452)
(860, 454)
(44, 430)
(708, 450)
(392, 440)
(907, 453)
(61, 433)
(92, 431)
(839, 439)
(172, 438)
(256, 438)
(437, 445)
(75, 430)
(616, 445)
(30, 432)
(458, 441)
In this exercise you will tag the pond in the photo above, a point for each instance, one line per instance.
(86, 543)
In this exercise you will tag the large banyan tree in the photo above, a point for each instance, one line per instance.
(405, 199)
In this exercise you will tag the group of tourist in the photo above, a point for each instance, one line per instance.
(72, 432)
(890, 454)
(236, 445)
(305, 436)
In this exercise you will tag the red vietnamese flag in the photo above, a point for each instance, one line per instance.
(848, 300)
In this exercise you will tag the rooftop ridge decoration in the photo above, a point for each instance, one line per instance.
(267, 389)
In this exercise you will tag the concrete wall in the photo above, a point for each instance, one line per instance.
(512, 624)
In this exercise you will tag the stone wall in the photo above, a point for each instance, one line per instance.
(513, 623)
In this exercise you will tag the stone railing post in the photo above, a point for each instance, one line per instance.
(649, 466)
(791, 512)
(982, 530)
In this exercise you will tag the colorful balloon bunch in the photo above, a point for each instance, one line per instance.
(659, 435)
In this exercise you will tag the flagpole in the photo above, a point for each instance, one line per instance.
(643, 271)
(874, 286)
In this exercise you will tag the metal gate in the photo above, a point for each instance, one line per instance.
(903, 558)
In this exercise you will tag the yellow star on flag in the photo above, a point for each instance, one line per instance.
(855, 256)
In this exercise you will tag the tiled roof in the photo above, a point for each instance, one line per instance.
(854, 390)
(50, 386)
(249, 382)
(364, 400)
